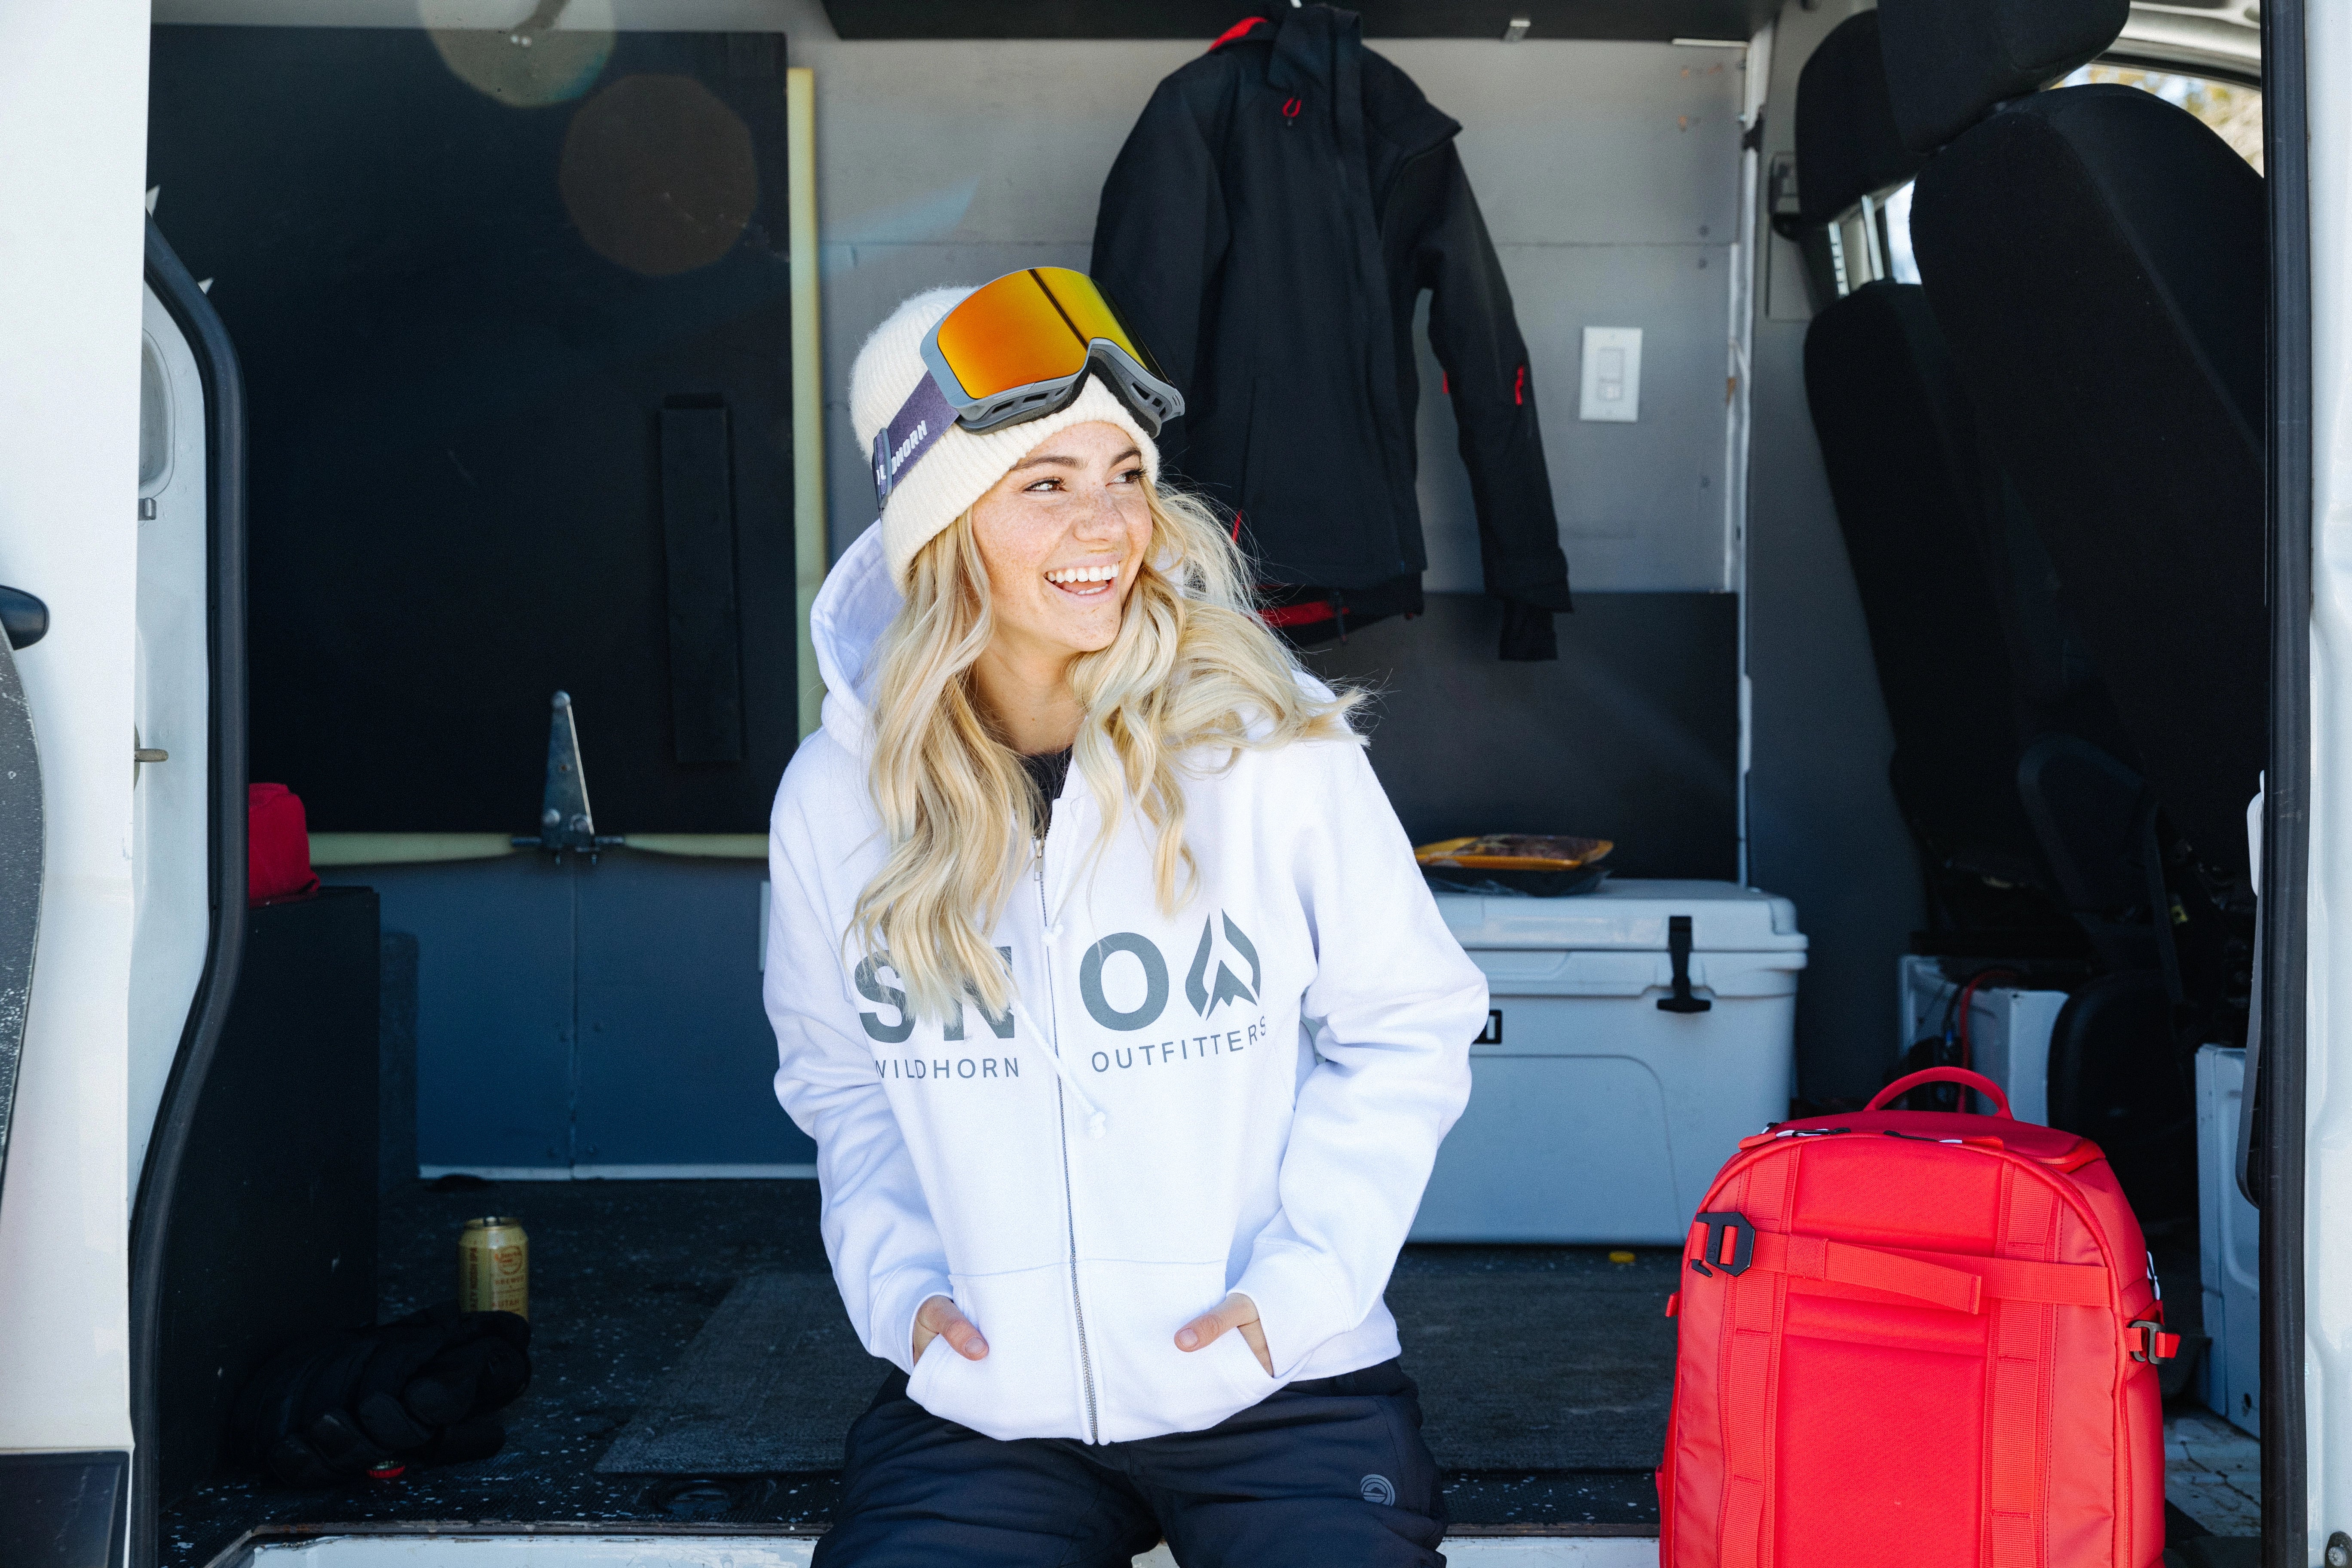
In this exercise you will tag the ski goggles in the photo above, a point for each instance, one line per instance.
(1019, 348)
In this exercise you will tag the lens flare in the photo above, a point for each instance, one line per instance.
(541, 59)
(659, 175)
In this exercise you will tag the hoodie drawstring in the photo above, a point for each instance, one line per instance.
(1098, 1119)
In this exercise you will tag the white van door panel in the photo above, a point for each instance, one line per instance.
(171, 913)
(73, 89)
(2327, 1090)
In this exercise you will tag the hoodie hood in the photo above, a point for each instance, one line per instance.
(859, 600)
(855, 606)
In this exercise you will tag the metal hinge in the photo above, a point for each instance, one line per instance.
(564, 819)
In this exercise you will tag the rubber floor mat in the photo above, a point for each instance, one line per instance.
(1538, 1372)
(1517, 1371)
(771, 1384)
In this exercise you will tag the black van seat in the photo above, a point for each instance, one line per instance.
(1971, 656)
(2097, 260)
(1900, 450)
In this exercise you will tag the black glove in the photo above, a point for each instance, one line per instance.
(420, 1391)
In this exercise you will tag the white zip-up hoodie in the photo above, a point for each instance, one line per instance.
(1246, 1095)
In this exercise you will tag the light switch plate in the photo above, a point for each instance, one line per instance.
(1613, 374)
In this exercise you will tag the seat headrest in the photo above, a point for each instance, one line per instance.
(1948, 61)
(1847, 143)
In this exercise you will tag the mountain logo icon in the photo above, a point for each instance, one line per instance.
(1206, 996)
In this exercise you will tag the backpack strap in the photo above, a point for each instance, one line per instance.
(1817, 1258)
(2017, 1373)
(1750, 1390)
(1755, 1311)
(1963, 1285)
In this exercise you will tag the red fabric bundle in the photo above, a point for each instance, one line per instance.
(277, 843)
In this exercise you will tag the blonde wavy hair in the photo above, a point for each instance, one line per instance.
(1192, 668)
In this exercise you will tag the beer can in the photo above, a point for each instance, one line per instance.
(493, 1267)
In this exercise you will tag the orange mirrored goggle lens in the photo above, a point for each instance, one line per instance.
(1028, 327)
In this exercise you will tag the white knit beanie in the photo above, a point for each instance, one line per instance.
(961, 467)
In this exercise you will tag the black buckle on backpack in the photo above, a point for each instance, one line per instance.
(1743, 1243)
(2150, 1335)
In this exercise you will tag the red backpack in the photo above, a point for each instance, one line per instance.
(1922, 1339)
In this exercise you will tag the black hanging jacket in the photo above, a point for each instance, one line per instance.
(1267, 229)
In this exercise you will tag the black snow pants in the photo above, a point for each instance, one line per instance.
(1327, 1472)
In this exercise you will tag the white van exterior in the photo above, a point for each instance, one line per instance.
(73, 94)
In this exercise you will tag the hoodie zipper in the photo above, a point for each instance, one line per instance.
(1062, 1123)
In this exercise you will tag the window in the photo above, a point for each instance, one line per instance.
(154, 419)
(1901, 265)
(2232, 110)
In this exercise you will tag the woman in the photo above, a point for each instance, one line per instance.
(1124, 1091)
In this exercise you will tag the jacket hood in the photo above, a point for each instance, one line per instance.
(853, 609)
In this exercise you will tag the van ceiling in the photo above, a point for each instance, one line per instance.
(1657, 21)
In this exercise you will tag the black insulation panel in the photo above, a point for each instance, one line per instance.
(1659, 20)
(706, 678)
(465, 280)
(1633, 735)
(274, 1221)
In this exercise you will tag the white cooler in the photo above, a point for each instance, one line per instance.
(2228, 1245)
(1596, 1113)
(2009, 1030)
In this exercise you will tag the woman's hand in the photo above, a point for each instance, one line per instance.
(1235, 1312)
(938, 1318)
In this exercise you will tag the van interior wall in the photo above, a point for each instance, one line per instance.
(1608, 173)
(1608, 176)
(1822, 825)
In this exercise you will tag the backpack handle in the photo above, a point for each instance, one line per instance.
(1961, 1076)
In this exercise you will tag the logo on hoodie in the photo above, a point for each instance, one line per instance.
(896, 1030)
(1124, 958)
(1229, 987)
(1206, 992)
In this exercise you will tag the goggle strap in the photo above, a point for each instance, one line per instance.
(920, 421)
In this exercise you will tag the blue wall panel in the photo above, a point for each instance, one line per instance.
(605, 1014)
(677, 1060)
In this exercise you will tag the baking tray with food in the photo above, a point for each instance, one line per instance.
(1515, 864)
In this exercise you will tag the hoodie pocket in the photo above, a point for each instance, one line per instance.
(1028, 1383)
(1146, 1387)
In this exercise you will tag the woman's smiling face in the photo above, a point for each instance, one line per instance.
(1063, 537)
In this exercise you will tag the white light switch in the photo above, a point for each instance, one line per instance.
(1613, 374)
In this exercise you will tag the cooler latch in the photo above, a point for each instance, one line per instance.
(1678, 950)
